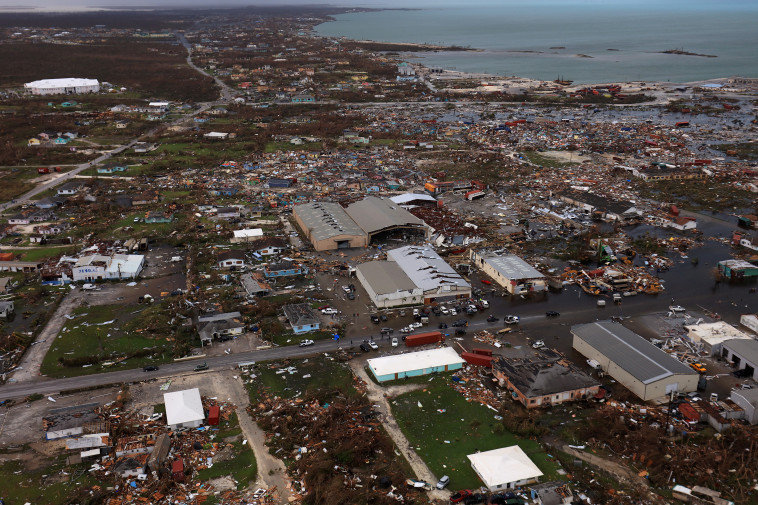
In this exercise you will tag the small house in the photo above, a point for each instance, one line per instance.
(159, 217)
(301, 317)
(284, 269)
(231, 259)
(184, 409)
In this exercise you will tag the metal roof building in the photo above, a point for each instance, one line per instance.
(514, 274)
(743, 353)
(430, 273)
(399, 366)
(387, 284)
(68, 85)
(328, 226)
(377, 215)
(184, 409)
(637, 364)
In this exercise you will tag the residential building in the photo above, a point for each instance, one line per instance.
(268, 246)
(254, 285)
(219, 327)
(613, 210)
(246, 236)
(231, 259)
(737, 269)
(154, 217)
(304, 98)
(284, 269)
(70, 188)
(184, 409)
(414, 364)
(301, 317)
(97, 267)
(505, 468)
(634, 362)
(544, 380)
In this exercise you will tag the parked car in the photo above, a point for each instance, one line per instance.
(491, 319)
(394, 341)
(511, 319)
(204, 366)
(485, 304)
(460, 322)
(552, 313)
(350, 296)
(459, 496)
(416, 325)
(150, 368)
(306, 343)
(346, 289)
(444, 310)
(383, 317)
(443, 482)
(698, 367)
(365, 348)
(329, 311)
(406, 329)
(474, 499)
(442, 326)
(677, 308)
(460, 331)
(416, 312)
(374, 319)
(487, 282)
(453, 311)
(388, 331)
(539, 344)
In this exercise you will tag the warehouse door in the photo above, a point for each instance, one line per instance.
(343, 244)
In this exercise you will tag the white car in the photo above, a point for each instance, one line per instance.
(394, 341)
(346, 289)
(373, 345)
(485, 304)
(306, 343)
(677, 308)
(511, 319)
(405, 330)
(453, 312)
(444, 310)
(417, 325)
(329, 311)
(415, 312)
(538, 344)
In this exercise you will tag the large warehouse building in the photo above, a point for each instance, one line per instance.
(328, 226)
(67, 86)
(412, 364)
(637, 364)
(411, 275)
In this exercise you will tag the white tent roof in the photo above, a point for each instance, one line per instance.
(183, 406)
(400, 363)
(500, 466)
(67, 82)
(249, 233)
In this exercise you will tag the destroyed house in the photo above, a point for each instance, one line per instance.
(254, 286)
(614, 210)
(544, 380)
(301, 317)
(220, 326)
(284, 269)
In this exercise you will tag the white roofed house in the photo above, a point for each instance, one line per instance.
(505, 468)
(97, 267)
(184, 409)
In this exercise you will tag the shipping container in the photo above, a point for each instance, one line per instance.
(689, 414)
(213, 415)
(423, 338)
(177, 470)
(483, 352)
(477, 359)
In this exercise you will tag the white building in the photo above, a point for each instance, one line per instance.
(710, 336)
(97, 267)
(750, 321)
(511, 272)
(748, 400)
(504, 468)
(247, 235)
(184, 409)
(67, 86)
(413, 364)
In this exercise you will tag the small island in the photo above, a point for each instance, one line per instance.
(687, 53)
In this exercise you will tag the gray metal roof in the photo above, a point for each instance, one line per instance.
(375, 214)
(326, 220)
(427, 269)
(385, 277)
(512, 267)
(631, 352)
(300, 314)
(746, 348)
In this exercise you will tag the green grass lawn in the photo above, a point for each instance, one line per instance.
(273, 147)
(446, 428)
(45, 485)
(311, 376)
(140, 229)
(242, 467)
(91, 334)
(546, 161)
(42, 252)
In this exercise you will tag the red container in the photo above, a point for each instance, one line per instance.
(177, 470)
(477, 359)
(483, 352)
(213, 415)
(423, 338)
(689, 414)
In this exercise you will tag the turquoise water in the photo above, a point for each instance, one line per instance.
(727, 29)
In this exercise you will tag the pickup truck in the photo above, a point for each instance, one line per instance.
(203, 366)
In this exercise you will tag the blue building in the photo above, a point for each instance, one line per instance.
(284, 269)
(302, 318)
(303, 99)
(413, 364)
(275, 182)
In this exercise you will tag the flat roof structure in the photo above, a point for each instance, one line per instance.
(504, 468)
(386, 277)
(714, 334)
(746, 348)
(427, 269)
(325, 220)
(184, 408)
(398, 365)
(407, 198)
(375, 215)
(512, 267)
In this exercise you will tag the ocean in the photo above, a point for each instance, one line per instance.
(586, 41)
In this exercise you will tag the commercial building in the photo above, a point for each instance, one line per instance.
(543, 380)
(744, 354)
(66, 86)
(97, 267)
(638, 365)
(184, 409)
(747, 399)
(511, 272)
(413, 364)
(247, 235)
(737, 269)
(387, 284)
(430, 273)
(505, 468)
(380, 218)
(327, 226)
(709, 337)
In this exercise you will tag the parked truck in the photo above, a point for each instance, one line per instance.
(423, 338)
(477, 359)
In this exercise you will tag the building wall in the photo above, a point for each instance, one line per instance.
(505, 282)
(387, 300)
(729, 354)
(192, 424)
(305, 328)
(685, 383)
(416, 373)
(329, 244)
(547, 400)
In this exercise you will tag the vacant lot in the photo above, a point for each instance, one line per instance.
(301, 378)
(126, 336)
(444, 427)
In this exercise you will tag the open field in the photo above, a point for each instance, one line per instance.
(444, 427)
(308, 377)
